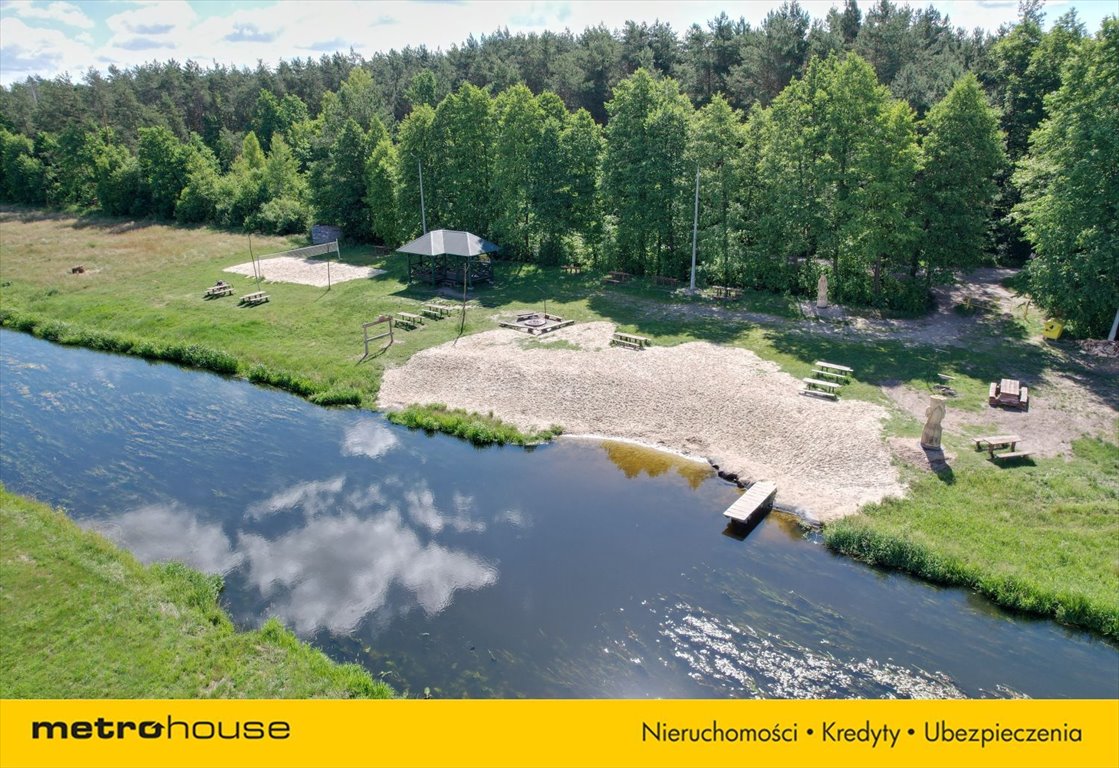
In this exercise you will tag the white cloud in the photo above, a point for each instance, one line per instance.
(163, 533)
(339, 569)
(314, 497)
(29, 51)
(64, 13)
(153, 19)
(421, 508)
(368, 438)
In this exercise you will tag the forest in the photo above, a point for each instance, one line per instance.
(885, 148)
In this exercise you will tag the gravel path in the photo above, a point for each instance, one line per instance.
(742, 412)
(289, 269)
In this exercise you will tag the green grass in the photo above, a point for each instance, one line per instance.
(479, 429)
(1040, 537)
(84, 619)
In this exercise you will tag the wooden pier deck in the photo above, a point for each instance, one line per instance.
(752, 504)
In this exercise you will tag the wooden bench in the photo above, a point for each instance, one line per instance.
(820, 388)
(671, 282)
(725, 293)
(572, 269)
(409, 320)
(840, 377)
(617, 277)
(834, 369)
(630, 340)
(252, 299)
(221, 289)
(1011, 455)
(436, 310)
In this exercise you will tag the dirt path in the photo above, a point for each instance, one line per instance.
(981, 290)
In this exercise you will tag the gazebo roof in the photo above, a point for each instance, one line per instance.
(451, 242)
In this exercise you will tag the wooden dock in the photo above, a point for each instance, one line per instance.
(754, 504)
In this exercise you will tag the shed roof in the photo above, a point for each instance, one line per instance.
(451, 242)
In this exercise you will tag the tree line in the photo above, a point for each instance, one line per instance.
(885, 158)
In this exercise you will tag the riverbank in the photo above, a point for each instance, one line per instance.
(142, 294)
(84, 619)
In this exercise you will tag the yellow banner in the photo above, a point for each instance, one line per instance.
(279, 734)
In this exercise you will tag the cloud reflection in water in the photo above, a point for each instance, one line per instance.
(165, 532)
(336, 570)
(368, 438)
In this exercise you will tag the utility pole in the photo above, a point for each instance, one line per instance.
(423, 212)
(695, 226)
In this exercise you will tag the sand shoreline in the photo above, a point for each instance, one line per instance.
(696, 400)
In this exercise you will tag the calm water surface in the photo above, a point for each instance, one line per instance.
(574, 570)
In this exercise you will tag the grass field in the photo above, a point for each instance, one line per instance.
(1046, 543)
(84, 619)
(142, 294)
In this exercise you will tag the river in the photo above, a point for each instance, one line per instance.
(577, 569)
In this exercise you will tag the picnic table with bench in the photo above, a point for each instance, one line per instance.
(821, 388)
(1008, 392)
(833, 371)
(437, 310)
(630, 340)
(220, 288)
(251, 299)
(724, 293)
(572, 269)
(409, 320)
(617, 277)
(995, 443)
(671, 282)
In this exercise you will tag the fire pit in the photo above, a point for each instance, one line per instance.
(536, 323)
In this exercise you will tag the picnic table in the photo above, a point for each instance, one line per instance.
(221, 288)
(630, 340)
(252, 299)
(820, 388)
(617, 277)
(437, 310)
(1008, 392)
(832, 369)
(724, 293)
(572, 269)
(409, 319)
(995, 443)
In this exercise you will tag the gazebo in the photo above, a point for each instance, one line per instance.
(449, 256)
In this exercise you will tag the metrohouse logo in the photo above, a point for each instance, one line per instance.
(168, 729)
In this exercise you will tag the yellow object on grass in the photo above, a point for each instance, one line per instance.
(1052, 329)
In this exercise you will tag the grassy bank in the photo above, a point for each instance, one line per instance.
(1045, 542)
(477, 428)
(83, 619)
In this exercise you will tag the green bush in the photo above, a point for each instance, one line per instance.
(475, 427)
(337, 397)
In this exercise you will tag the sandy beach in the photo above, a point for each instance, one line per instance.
(726, 404)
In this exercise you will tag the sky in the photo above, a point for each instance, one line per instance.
(53, 37)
